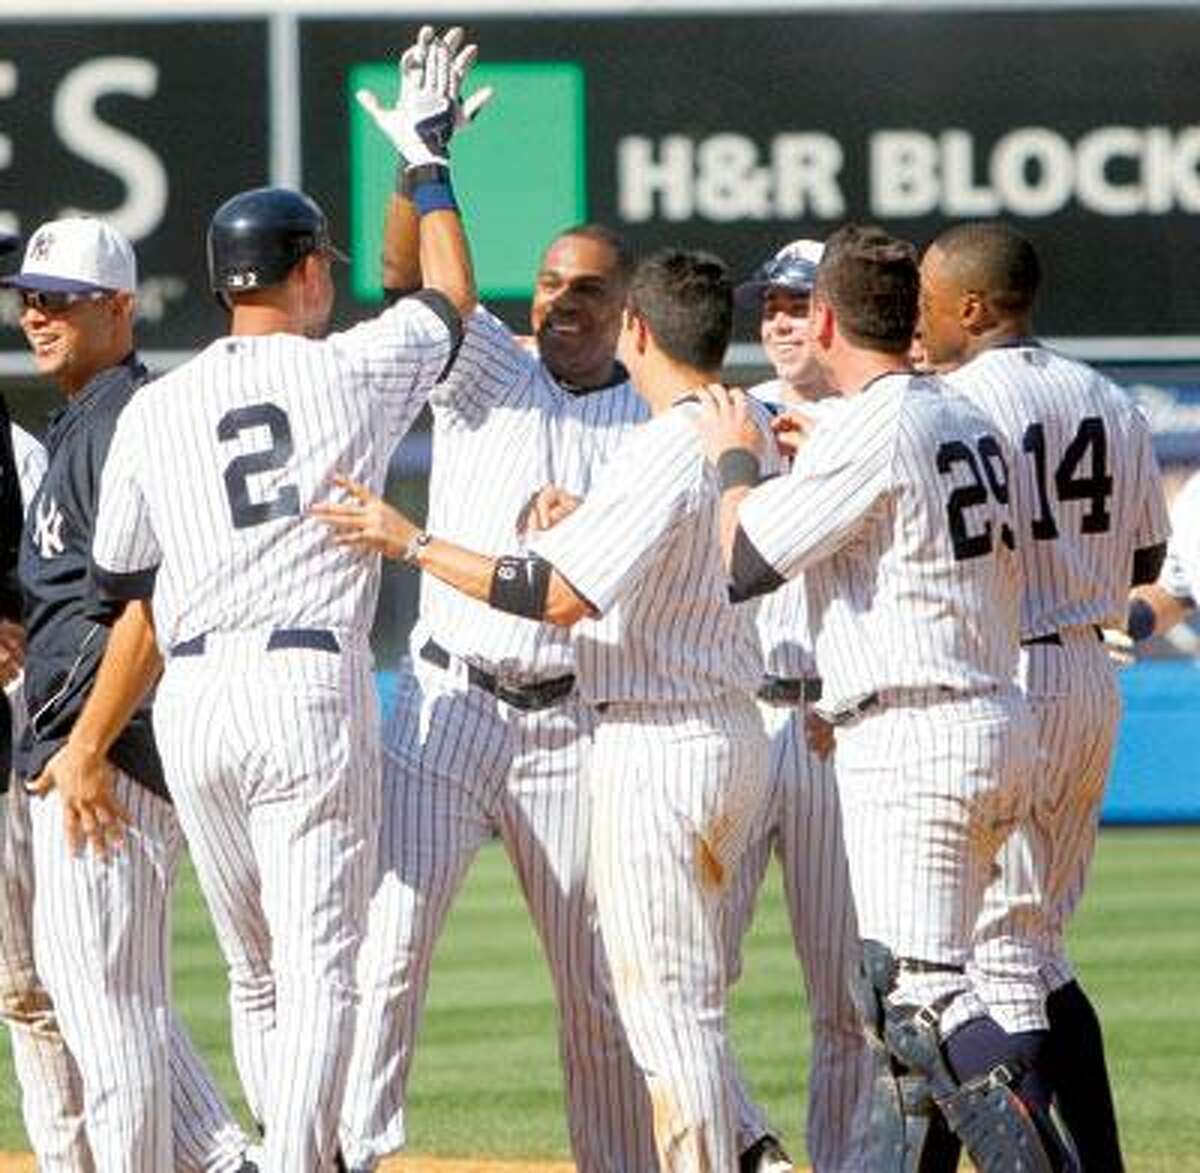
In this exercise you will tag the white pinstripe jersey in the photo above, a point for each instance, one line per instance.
(782, 616)
(1181, 572)
(894, 511)
(214, 466)
(502, 428)
(1085, 484)
(642, 550)
(31, 460)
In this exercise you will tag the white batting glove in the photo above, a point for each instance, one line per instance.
(422, 121)
(429, 108)
(462, 61)
(1121, 649)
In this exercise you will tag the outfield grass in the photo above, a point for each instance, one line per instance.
(486, 1076)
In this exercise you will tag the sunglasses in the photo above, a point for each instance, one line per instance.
(54, 302)
(790, 272)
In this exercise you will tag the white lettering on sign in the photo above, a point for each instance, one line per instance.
(1034, 171)
(8, 87)
(725, 177)
(1029, 171)
(82, 131)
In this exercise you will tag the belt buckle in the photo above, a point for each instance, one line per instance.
(855, 710)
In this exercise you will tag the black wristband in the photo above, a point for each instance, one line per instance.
(520, 586)
(738, 466)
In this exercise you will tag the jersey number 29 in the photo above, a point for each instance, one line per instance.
(988, 478)
(285, 502)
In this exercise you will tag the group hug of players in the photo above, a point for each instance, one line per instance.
(850, 618)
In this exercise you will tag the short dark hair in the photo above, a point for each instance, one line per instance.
(592, 230)
(871, 280)
(994, 259)
(686, 301)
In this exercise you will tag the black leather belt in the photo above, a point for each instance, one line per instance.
(1055, 639)
(783, 690)
(317, 639)
(914, 965)
(854, 711)
(529, 697)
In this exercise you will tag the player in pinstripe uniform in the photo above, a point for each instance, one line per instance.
(1091, 516)
(266, 711)
(896, 510)
(487, 732)
(677, 764)
(1157, 607)
(51, 1089)
(100, 925)
(801, 822)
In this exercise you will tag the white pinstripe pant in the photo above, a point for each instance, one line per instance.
(675, 788)
(461, 767)
(1020, 952)
(800, 822)
(273, 759)
(930, 788)
(102, 944)
(51, 1087)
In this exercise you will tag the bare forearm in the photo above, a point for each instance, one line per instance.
(401, 246)
(473, 574)
(465, 570)
(446, 260)
(731, 501)
(130, 666)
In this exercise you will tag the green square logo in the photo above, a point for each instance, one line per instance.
(519, 172)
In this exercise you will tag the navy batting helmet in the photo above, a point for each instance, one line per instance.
(257, 236)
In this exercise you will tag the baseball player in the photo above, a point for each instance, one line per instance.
(1091, 519)
(488, 729)
(100, 926)
(896, 511)
(800, 821)
(266, 711)
(676, 767)
(1158, 607)
(51, 1089)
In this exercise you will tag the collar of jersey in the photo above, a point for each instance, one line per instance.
(129, 371)
(619, 375)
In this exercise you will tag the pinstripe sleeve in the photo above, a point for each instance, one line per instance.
(490, 364)
(125, 549)
(1153, 523)
(841, 475)
(31, 462)
(1181, 572)
(606, 546)
(401, 353)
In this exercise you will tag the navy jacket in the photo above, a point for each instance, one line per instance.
(66, 623)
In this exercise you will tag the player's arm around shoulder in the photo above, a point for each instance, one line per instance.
(527, 586)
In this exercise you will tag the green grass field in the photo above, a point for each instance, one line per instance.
(486, 1080)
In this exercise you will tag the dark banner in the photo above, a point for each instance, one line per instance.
(149, 125)
(729, 132)
(739, 132)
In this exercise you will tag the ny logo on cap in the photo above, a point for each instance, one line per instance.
(42, 244)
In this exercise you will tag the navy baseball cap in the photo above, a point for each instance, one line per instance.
(793, 267)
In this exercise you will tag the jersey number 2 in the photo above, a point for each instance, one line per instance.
(286, 500)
